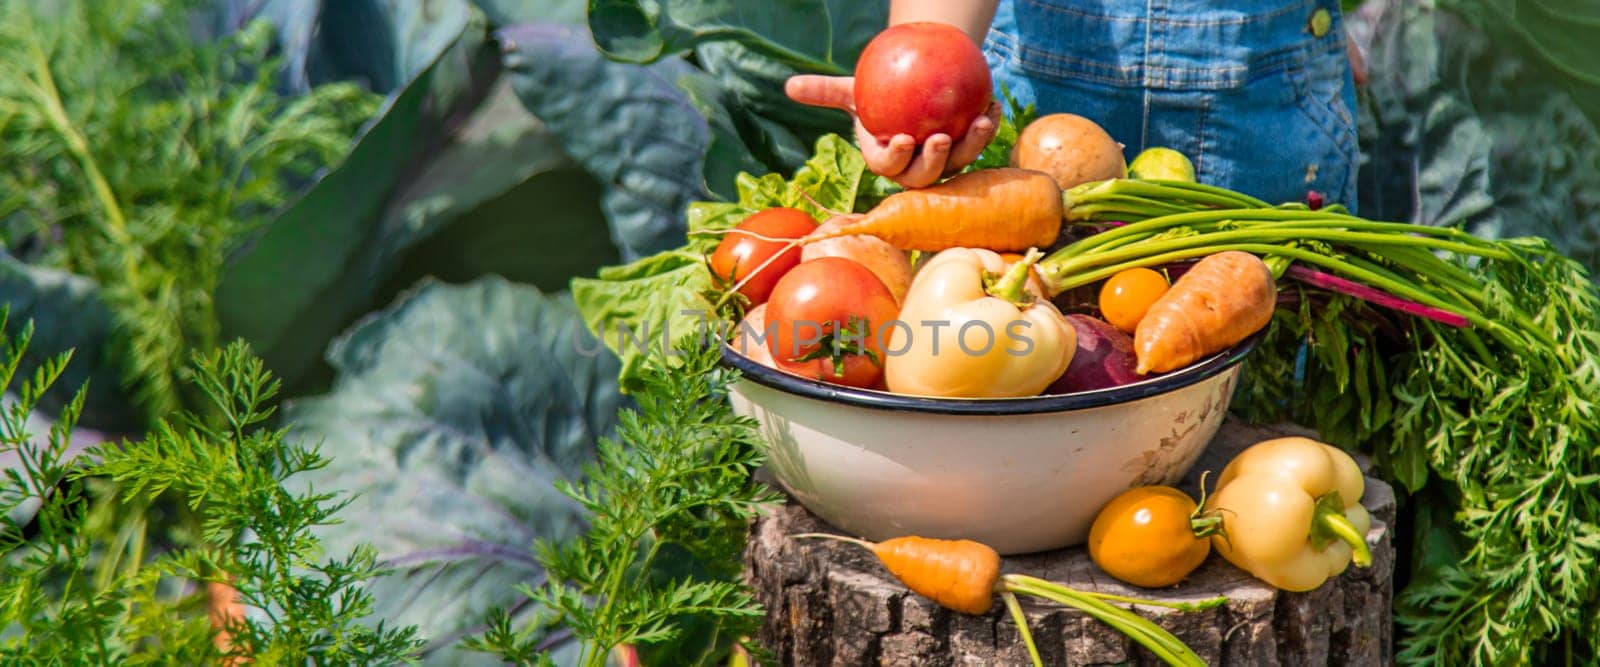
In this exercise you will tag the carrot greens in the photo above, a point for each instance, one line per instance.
(1495, 422)
(227, 468)
(675, 479)
(139, 158)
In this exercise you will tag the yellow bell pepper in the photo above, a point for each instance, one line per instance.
(970, 328)
(1291, 513)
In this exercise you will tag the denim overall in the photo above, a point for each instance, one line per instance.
(1258, 93)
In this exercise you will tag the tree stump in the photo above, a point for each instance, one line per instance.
(834, 604)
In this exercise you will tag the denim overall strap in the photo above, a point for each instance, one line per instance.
(1256, 92)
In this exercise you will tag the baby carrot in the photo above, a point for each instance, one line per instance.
(964, 575)
(957, 574)
(998, 209)
(1220, 301)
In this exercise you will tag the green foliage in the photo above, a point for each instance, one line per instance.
(632, 127)
(1459, 128)
(1487, 125)
(748, 49)
(1551, 35)
(1495, 442)
(1014, 118)
(455, 411)
(255, 535)
(451, 180)
(676, 479)
(1493, 435)
(1514, 433)
(1341, 384)
(637, 309)
(68, 313)
(137, 158)
(452, 142)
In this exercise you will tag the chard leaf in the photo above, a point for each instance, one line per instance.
(640, 308)
(632, 128)
(831, 179)
(453, 414)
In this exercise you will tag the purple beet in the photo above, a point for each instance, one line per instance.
(1104, 358)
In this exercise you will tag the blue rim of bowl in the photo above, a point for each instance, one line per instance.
(880, 400)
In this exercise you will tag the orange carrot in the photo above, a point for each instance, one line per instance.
(1222, 300)
(225, 611)
(998, 209)
(965, 576)
(957, 574)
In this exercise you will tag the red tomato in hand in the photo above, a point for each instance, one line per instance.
(824, 320)
(921, 79)
(740, 255)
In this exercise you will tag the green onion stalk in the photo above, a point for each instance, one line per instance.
(1155, 223)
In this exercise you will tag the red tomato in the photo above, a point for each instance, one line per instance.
(738, 255)
(824, 320)
(921, 79)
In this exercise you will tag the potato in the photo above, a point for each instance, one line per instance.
(1104, 358)
(890, 264)
(752, 323)
(1072, 149)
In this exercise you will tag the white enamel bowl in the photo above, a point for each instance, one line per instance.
(1021, 475)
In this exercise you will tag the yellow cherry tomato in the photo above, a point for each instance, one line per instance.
(1127, 295)
(1147, 536)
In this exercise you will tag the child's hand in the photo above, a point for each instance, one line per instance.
(898, 159)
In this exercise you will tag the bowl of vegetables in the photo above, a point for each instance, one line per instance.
(1019, 474)
(961, 395)
(1028, 421)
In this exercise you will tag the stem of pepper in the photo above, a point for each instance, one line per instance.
(1012, 285)
(1329, 524)
(1335, 523)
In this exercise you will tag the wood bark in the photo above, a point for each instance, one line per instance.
(834, 604)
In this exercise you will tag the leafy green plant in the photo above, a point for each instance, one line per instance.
(455, 411)
(454, 173)
(1497, 440)
(674, 486)
(1459, 126)
(1480, 124)
(138, 158)
(255, 536)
